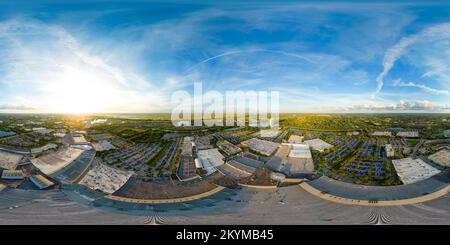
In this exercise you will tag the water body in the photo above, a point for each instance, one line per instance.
(6, 133)
(445, 133)
(395, 129)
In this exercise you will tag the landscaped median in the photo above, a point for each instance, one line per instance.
(169, 200)
(413, 200)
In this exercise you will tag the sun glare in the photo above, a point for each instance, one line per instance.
(78, 91)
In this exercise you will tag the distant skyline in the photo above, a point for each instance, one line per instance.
(117, 57)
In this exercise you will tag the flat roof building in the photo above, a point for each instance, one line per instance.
(9, 160)
(408, 134)
(210, 159)
(187, 149)
(46, 147)
(53, 162)
(295, 138)
(105, 178)
(292, 159)
(103, 145)
(299, 150)
(354, 133)
(187, 167)
(228, 148)
(40, 181)
(79, 140)
(382, 133)
(318, 144)
(42, 130)
(441, 157)
(263, 147)
(269, 133)
(413, 170)
(12, 174)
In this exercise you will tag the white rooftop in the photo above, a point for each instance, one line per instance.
(51, 163)
(295, 139)
(105, 178)
(411, 134)
(269, 133)
(263, 147)
(9, 160)
(210, 159)
(382, 133)
(103, 146)
(441, 157)
(318, 144)
(299, 150)
(413, 170)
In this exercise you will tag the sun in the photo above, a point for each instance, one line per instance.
(78, 91)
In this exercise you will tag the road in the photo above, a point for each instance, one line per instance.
(417, 147)
(288, 205)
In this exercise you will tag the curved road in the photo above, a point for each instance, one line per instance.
(287, 205)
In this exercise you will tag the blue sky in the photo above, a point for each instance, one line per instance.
(111, 56)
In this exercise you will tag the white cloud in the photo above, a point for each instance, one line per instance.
(8, 107)
(399, 83)
(55, 73)
(402, 105)
(63, 70)
(430, 34)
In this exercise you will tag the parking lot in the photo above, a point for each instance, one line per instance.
(133, 158)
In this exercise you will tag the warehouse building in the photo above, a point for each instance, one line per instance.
(263, 147)
(318, 144)
(295, 139)
(292, 159)
(382, 133)
(441, 157)
(209, 160)
(41, 182)
(103, 145)
(105, 178)
(413, 170)
(408, 134)
(12, 174)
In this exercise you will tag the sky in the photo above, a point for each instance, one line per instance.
(112, 56)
